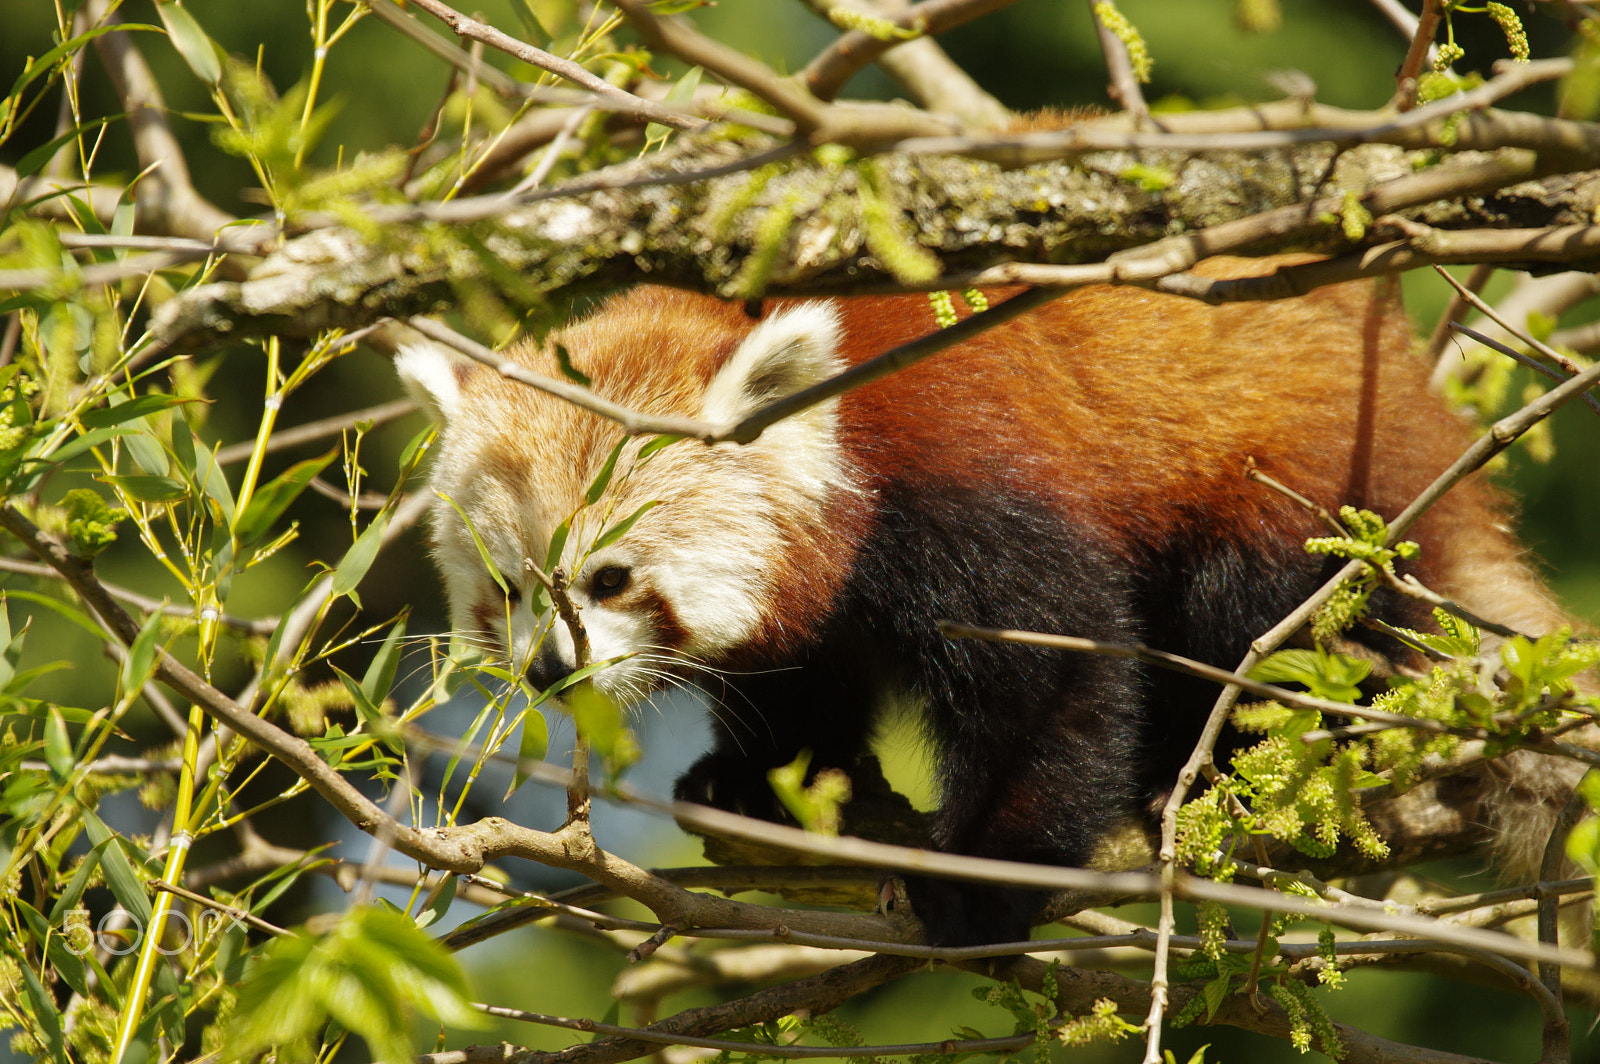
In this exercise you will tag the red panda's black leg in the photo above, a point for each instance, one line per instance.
(1038, 749)
(764, 721)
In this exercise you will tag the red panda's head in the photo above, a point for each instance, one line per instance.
(690, 580)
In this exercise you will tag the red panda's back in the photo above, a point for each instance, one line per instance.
(1142, 412)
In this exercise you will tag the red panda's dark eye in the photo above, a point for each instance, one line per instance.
(609, 580)
(513, 594)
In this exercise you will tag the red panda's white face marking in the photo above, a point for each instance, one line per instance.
(691, 579)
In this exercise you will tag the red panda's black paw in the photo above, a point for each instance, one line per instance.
(954, 913)
(732, 783)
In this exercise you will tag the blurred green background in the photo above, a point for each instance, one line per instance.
(1036, 53)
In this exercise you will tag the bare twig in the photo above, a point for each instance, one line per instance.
(826, 75)
(619, 99)
(1124, 87)
(1421, 44)
(1521, 359)
(926, 72)
(322, 429)
(780, 1052)
(1439, 339)
(392, 15)
(258, 626)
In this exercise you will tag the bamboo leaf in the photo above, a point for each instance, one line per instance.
(359, 558)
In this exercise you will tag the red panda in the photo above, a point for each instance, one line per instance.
(1080, 470)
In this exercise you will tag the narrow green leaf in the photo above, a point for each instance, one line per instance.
(273, 498)
(443, 895)
(379, 677)
(63, 960)
(127, 886)
(620, 529)
(147, 452)
(558, 543)
(139, 663)
(681, 94)
(659, 443)
(69, 613)
(572, 678)
(44, 1006)
(191, 42)
(67, 47)
(483, 552)
(359, 558)
(379, 726)
(535, 744)
(57, 747)
(68, 899)
(106, 416)
(81, 444)
(144, 488)
(602, 479)
(568, 370)
(35, 160)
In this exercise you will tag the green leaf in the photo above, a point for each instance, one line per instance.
(659, 443)
(379, 726)
(273, 498)
(209, 475)
(127, 886)
(558, 543)
(679, 95)
(443, 895)
(535, 744)
(379, 678)
(68, 899)
(62, 959)
(35, 160)
(359, 558)
(191, 41)
(568, 370)
(483, 552)
(44, 1006)
(57, 747)
(620, 529)
(366, 974)
(602, 480)
(145, 488)
(67, 47)
(139, 663)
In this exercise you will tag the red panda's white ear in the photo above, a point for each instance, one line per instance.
(791, 350)
(432, 376)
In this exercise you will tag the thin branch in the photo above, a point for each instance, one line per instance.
(391, 15)
(258, 626)
(1439, 339)
(826, 75)
(1124, 87)
(1592, 402)
(1468, 117)
(1421, 44)
(1555, 855)
(633, 422)
(1035, 876)
(674, 35)
(781, 1052)
(923, 69)
(322, 429)
(619, 99)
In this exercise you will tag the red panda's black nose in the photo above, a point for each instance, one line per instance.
(546, 668)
